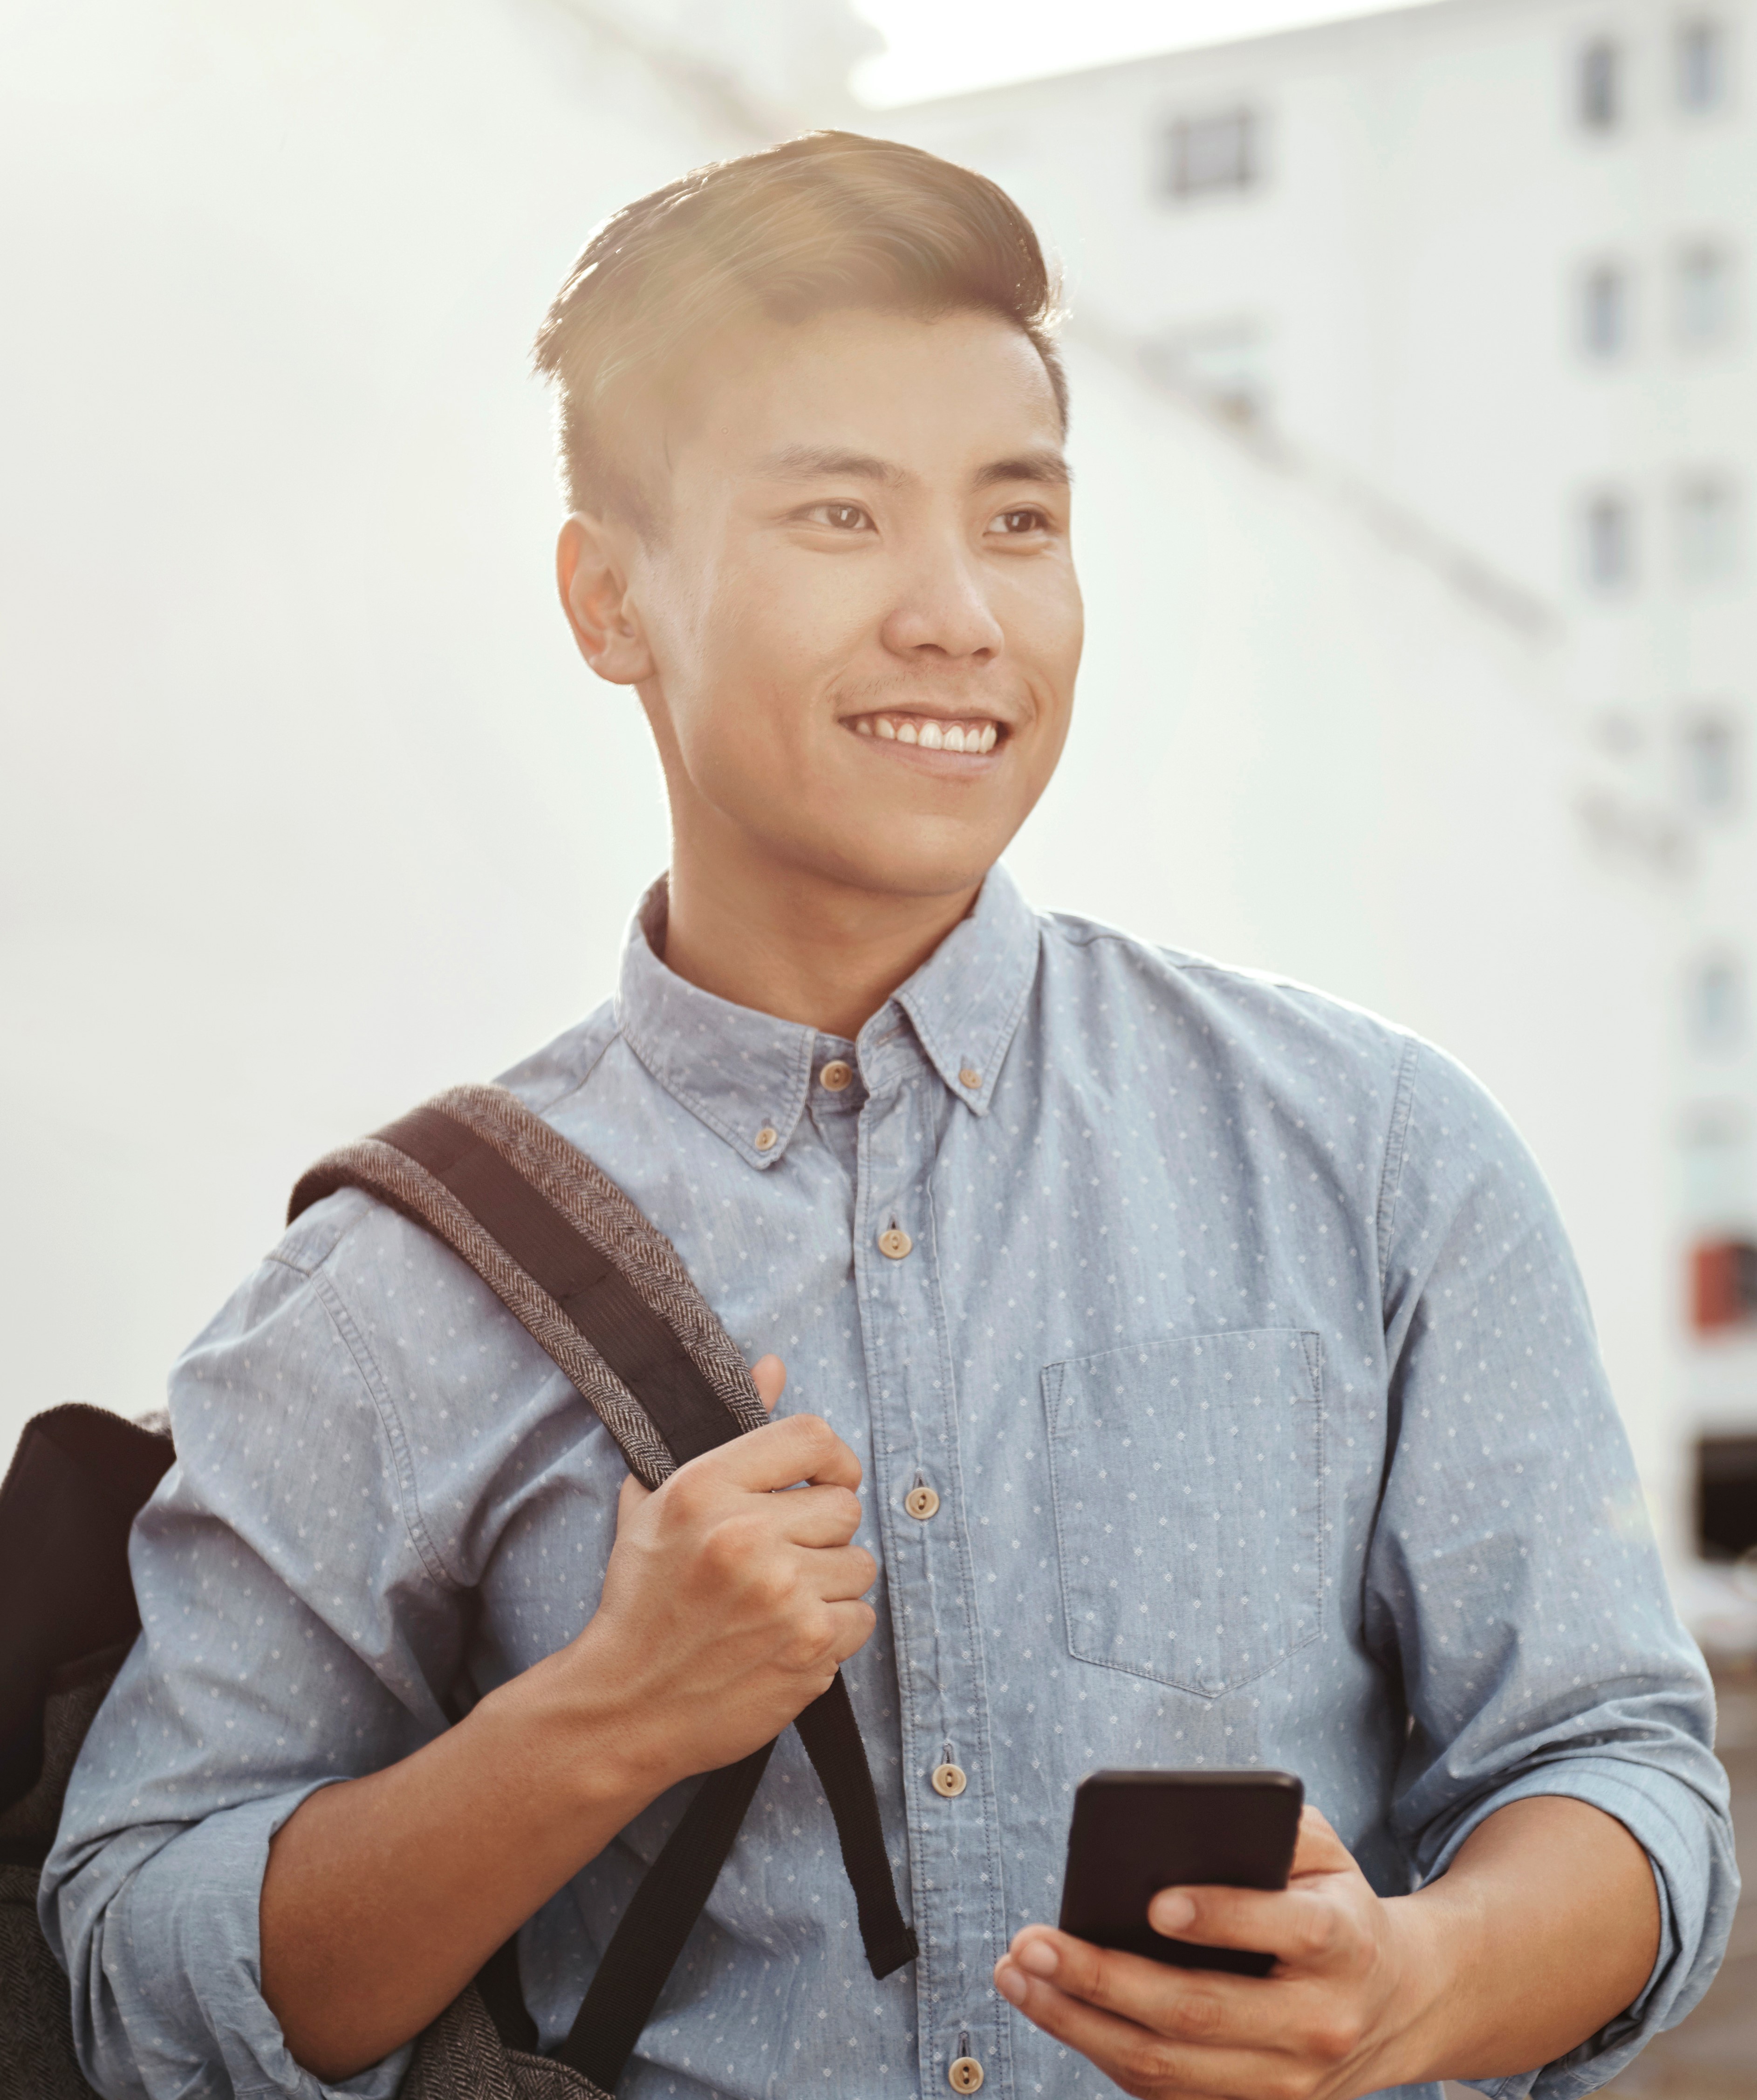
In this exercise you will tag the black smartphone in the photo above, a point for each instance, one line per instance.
(1136, 1832)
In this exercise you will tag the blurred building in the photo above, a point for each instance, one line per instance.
(1480, 272)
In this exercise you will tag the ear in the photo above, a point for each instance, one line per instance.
(593, 579)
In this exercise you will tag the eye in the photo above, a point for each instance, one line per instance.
(1010, 524)
(841, 517)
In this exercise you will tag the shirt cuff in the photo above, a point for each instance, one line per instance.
(1673, 1825)
(181, 1958)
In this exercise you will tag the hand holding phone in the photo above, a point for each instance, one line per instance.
(1325, 1960)
(1136, 1832)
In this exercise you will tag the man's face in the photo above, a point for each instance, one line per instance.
(865, 567)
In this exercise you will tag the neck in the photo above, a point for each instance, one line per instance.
(791, 942)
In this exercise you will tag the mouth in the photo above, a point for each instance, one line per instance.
(972, 736)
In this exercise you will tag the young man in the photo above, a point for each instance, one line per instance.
(1186, 1370)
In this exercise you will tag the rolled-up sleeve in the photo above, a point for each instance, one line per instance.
(295, 1623)
(1513, 1583)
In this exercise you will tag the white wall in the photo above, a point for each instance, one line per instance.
(308, 805)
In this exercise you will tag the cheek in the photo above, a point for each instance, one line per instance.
(1046, 629)
(713, 656)
(767, 645)
(813, 613)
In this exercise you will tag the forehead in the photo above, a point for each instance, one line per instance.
(935, 395)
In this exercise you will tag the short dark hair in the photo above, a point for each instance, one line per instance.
(823, 223)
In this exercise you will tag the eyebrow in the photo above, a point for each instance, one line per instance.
(1044, 466)
(826, 462)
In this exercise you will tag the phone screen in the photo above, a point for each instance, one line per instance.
(1136, 1832)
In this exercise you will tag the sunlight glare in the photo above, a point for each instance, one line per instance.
(936, 47)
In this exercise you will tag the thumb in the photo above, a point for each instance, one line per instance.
(769, 1375)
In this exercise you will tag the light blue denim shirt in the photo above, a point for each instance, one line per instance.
(1242, 1345)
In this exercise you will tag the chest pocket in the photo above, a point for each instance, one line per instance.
(1187, 1475)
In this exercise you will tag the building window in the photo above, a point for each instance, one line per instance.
(1604, 311)
(1708, 743)
(1726, 1479)
(1703, 289)
(1709, 752)
(1717, 1005)
(1723, 1295)
(1610, 542)
(1702, 64)
(1207, 154)
(1599, 85)
(1707, 529)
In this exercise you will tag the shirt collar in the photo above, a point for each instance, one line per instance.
(747, 1075)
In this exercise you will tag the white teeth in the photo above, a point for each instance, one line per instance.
(931, 735)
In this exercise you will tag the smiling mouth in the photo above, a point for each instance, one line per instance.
(975, 736)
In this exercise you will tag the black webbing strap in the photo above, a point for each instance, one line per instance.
(631, 1338)
(647, 1355)
(503, 1997)
(831, 1737)
(646, 1945)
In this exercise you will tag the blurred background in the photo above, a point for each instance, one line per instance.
(1412, 357)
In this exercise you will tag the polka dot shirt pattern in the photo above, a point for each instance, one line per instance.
(1227, 1396)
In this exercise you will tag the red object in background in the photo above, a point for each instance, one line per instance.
(1722, 1284)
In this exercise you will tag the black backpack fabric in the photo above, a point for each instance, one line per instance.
(606, 1295)
(68, 1618)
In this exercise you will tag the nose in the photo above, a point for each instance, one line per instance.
(944, 611)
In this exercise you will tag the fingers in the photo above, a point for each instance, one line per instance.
(1201, 2006)
(1309, 1924)
(1137, 2057)
(816, 1516)
(850, 1629)
(1296, 1925)
(769, 1375)
(840, 1574)
(798, 1447)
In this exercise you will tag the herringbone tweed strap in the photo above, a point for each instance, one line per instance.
(461, 2057)
(579, 1266)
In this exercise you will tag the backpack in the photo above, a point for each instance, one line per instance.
(605, 1295)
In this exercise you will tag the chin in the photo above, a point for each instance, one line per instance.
(933, 866)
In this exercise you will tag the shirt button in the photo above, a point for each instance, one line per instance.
(965, 2075)
(970, 1077)
(921, 1503)
(765, 1137)
(894, 1242)
(949, 1781)
(836, 1074)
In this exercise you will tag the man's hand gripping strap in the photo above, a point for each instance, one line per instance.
(604, 1293)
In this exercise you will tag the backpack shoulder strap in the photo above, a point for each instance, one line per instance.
(604, 1293)
(570, 1258)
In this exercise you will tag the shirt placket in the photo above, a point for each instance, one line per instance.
(919, 1494)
